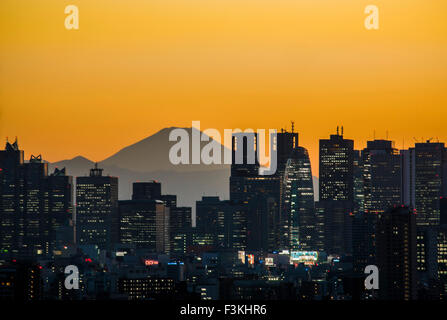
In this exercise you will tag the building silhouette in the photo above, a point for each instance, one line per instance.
(96, 209)
(336, 204)
(297, 219)
(36, 208)
(396, 254)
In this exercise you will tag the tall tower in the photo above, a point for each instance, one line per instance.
(11, 187)
(96, 209)
(336, 168)
(259, 195)
(297, 198)
(381, 176)
(396, 254)
(336, 205)
(430, 181)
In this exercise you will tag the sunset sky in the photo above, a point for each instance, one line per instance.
(137, 66)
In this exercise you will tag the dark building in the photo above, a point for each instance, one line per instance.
(429, 181)
(36, 209)
(11, 185)
(396, 254)
(20, 282)
(363, 240)
(144, 223)
(214, 217)
(147, 288)
(146, 190)
(298, 201)
(336, 226)
(180, 225)
(96, 209)
(259, 193)
(359, 192)
(443, 210)
(337, 168)
(336, 205)
(153, 221)
(442, 260)
(381, 176)
(60, 203)
(297, 218)
(427, 260)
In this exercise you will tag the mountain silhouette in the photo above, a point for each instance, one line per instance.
(148, 159)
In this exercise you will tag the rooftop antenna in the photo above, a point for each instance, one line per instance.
(341, 130)
(293, 126)
(337, 130)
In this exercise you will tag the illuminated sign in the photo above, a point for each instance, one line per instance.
(306, 257)
(251, 259)
(149, 262)
(269, 261)
(241, 256)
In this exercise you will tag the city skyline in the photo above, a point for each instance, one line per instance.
(314, 156)
(140, 67)
(256, 153)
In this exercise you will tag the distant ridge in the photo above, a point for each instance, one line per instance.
(148, 159)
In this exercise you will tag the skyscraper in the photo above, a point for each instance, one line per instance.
(146, 190)
(36, 208)
(96, 209)
(144, 223)
(214, 217)
(337, 168)
(429, 181)
(60, 213)
(11, 182)
(336, 204)
(396, 254)
(180, 225)
(298, 201)
(381, 176)
(259, 194)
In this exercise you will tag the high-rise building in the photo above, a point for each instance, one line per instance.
(260, 194)
(335, 226)
(429, 181)
(180, 224)
(442, 259)
(96, 209)
(144, 223)
(359, 192)
(214, 216)
(32, 227)
(337, 168)
(298, 201)
(11, 197)
(336, 205)
(396, 254)
(36, 209)
(363, 240)
(146, 190)
(381, 176)
(60, 203)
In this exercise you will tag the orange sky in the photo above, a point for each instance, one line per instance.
(135, 67)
